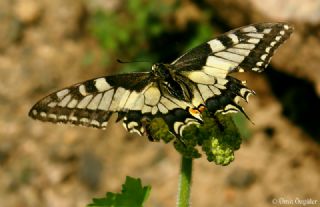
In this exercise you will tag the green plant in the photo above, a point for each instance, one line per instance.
(125, 33)
(133, 194)
(143, 30)
(218, 137)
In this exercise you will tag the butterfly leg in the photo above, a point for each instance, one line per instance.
(219, 124)
(179, 139)
(146, 124)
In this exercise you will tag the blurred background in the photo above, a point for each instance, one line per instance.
(46, 45)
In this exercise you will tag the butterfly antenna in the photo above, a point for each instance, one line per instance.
(134, 61)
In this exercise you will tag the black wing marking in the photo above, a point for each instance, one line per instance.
(135, 97)
(246, 48)
(227, 101)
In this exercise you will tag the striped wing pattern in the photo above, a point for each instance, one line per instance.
(132, 96)
(137, 98)
(246, 48)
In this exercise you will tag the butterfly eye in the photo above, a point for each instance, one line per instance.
(154, 67)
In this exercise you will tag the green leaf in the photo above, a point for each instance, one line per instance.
(133, 194)
(242, 124)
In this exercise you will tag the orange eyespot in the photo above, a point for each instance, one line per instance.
(194, 111)
(197, 110)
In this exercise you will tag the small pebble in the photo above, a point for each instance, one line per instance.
(241, 178)
(27, 11)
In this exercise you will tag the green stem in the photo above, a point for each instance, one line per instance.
(183, 199)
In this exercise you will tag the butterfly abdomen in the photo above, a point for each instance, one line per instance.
(171, 83)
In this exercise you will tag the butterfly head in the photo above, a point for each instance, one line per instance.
(161, 70)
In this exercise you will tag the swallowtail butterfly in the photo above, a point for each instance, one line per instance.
(177, 92)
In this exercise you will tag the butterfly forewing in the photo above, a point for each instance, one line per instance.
(92, 102)
(135, 97)
(249, 48)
